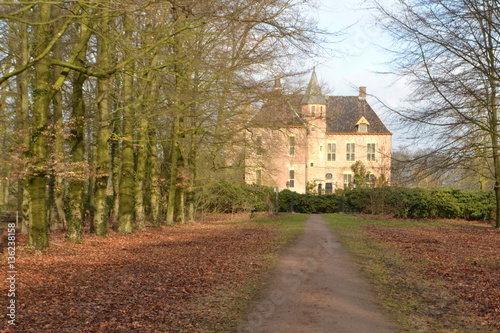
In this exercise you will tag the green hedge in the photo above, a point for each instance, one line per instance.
(225, 197)
(422, 203)
(307, 203)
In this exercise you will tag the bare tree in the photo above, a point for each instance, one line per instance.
(449, 50)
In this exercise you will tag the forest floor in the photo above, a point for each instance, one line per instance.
(187, 278)
(462, 259)
(201, 277)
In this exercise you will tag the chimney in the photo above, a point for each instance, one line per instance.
(277, 83)
(362, 93)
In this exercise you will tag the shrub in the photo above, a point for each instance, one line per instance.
(307, 203)
(421, 203)
(228, 197)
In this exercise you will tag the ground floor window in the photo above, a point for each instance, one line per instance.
(347, 180)
(370, 179)
(291, 181)
(328, 188)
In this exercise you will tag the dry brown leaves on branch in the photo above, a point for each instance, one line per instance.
(465, 257)
(151, 281)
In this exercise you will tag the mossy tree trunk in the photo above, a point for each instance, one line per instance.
(174, 170)
(23, 126)
(38, 236)
(154, 181)
(77, 183)
(102, 150)
(127, 181)
(140, 172)
(57, 215)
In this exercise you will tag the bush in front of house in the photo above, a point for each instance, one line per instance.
(421, 203)
(222, 196)
(307, 203)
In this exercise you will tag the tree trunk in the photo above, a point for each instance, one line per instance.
(115, 168)
(24, 127)
(139, 174)
(174, 169)
(127, 185)
(102, 151)
(77, 183)
(58, 217)
(38, 236)
(154, 181)
(180, 205)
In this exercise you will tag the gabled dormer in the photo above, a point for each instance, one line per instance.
(313, 103)
(362, 125)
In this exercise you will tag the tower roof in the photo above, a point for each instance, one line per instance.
(313, 93)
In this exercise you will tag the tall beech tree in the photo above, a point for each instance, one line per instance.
(38, 235)
(142, 97)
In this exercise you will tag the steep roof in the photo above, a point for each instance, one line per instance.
(344, 112)
(313, 93)
(277, 111)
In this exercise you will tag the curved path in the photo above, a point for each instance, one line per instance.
(316, 289)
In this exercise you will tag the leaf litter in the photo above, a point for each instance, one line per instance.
(463, 258)
(151, 281)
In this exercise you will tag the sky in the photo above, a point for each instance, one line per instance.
(361, 61)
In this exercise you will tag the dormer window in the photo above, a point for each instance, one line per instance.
(362, 125)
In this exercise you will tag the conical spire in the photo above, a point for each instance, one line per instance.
(313, 93)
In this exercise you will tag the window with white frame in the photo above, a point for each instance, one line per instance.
(347, 179)
(363, 125)
(350, 154)
(291, 180)
(362, 128)
(370, 179)
(370, 148)
(331, 151)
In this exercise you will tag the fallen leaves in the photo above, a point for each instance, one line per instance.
(151, 281)
(465, 257)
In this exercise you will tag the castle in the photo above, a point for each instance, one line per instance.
(308, 143)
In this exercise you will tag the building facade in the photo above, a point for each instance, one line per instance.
(309, 143)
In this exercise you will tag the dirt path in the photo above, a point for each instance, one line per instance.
(317, 289)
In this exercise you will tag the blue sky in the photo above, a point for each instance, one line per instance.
(361, 59)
